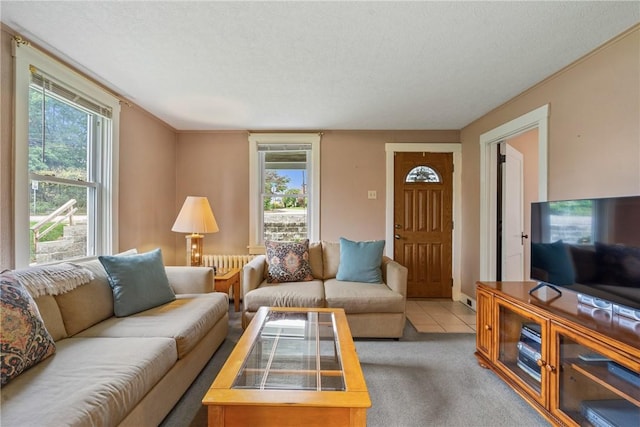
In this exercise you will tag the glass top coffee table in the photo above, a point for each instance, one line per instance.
(292, 366)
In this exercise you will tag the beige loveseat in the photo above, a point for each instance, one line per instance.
(373, 310)
(110, 371)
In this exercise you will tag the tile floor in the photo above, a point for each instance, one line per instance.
(438, 315)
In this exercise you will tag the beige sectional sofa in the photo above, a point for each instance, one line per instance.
(373, 310)
(110, 371)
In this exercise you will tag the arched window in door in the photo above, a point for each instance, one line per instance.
(422, 174)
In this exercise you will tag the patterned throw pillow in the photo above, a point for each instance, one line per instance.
(25, 341)
(288, 262)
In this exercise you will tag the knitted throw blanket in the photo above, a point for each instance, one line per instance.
(53, 279)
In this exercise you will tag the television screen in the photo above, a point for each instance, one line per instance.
(591, 246)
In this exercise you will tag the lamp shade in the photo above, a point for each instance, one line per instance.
(195, 216)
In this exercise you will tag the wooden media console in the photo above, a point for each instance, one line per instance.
(575, 364)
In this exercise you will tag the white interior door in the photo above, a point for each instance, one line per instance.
(513, 218)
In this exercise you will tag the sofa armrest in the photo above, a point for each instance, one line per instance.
(190, 280)
(395, 275)
(253, 273)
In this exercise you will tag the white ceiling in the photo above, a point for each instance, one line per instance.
(319, 65)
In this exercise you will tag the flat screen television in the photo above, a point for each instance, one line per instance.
(591, 246)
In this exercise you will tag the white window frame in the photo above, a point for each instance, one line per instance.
(106, 237)
(256, 245)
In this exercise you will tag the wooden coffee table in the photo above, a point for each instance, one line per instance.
(291, 367)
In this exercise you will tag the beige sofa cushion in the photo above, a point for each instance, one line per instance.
(356, 297)
(290, 294)
(50, 313)
(330, 259)
(315, 259)
(99, 378)
(190, 280)
(187, 319)
(88, 304)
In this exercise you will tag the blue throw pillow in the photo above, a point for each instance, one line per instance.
(139, 282)
(360, 261)
(554, 258)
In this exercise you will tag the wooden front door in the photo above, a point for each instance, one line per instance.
(423, 221)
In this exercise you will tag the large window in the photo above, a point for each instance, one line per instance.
(66, 145)
(285, 188)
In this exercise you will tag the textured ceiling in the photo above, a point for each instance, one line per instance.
(319, 65)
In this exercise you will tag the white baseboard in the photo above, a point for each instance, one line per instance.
(468, 301)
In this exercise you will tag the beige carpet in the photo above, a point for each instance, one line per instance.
(421, 380)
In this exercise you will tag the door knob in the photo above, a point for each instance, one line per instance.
(397, 237)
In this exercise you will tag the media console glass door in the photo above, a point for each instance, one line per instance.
(592, 387)
(521, 349)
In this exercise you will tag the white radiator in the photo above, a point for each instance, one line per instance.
(225, 262)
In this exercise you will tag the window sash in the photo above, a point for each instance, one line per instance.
(268, 142)
(96, 120)
(65, 181)
(105, 157)
(264, 167)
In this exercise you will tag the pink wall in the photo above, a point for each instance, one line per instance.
(147, 183)
(216, 165)
(352, 164)
(594, 135)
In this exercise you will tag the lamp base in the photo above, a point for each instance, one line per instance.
(195, 246)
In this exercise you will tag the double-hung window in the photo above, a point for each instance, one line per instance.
(285, 188)
(65, 171)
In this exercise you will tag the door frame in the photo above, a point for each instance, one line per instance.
(489, 141)
(456, 149)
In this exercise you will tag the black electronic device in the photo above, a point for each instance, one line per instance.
(529, 350)
(593, 357)
(528, 361)
(591, 246)
(611, 413)
(530, 335)
(624, 373)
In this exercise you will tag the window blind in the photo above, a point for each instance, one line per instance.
(55, 89)
(284, 147)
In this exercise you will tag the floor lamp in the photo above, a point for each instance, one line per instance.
(195, 217)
